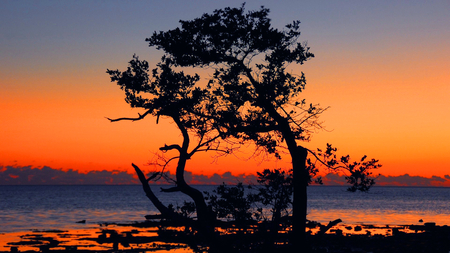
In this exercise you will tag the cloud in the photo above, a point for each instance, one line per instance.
(403, 180)
(407, 180)
(28, 175)
(215, 179)
(333, 179)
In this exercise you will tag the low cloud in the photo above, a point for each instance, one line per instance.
(407, 180)
(217, 179)
(333, 179)
(28, 175)
(14, 175)
(403, 180)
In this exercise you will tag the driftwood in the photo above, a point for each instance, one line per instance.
(324, 229)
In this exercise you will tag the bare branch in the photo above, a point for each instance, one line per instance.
(170, 147)
(163, 163)
(153, 176)
(131, 119)
(313, 115)
(160, 206)
(298, 124)
(227, 151)
(200, 145)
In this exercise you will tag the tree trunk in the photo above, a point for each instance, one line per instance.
(300, 202)
(300, 181)
(204, 218)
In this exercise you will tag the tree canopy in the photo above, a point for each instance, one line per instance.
(253, 94)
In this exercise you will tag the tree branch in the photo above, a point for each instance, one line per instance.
(312, 115)
(213, 149)
(202, 145)
(324, 229)
(170, 147)
(166, 212)
(324, 163)
(153, 176)
(131, 119)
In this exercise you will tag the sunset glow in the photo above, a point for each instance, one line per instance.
(382, 68)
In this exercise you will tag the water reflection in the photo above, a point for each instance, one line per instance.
(110, 238)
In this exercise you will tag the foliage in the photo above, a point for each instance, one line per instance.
(359, 174)
(251, 89)
(164, 92)
(187, 209)
(231, 202)
(275, 190)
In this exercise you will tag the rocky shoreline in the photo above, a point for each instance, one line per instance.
(160, 237)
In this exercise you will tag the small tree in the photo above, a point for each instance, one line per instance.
(231, 202)
(275, 190)
(164, 93)
(358, 174)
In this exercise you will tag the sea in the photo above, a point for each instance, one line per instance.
(61, 207)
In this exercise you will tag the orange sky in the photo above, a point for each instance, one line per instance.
(384, 72)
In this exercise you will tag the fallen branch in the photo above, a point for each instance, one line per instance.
(324, 229)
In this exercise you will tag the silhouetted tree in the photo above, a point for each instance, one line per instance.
(250, 96)
(165, 93)
(231, 202)
(254, 97)
(358, 174)
(275, 190)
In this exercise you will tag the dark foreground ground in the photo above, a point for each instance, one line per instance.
(157, 237)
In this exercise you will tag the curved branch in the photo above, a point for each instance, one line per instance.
(153, 176)
(346, 165)
(200, 145)
(184, 132)
(324, 163)
(227, 151)
(131, 119)
(161, 174)
(170, 147)
(166, 212)
(320, 111)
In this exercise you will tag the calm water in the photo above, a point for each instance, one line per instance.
(59, 207)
